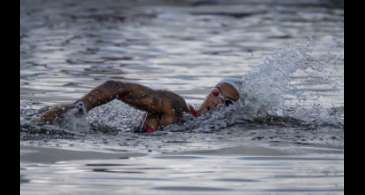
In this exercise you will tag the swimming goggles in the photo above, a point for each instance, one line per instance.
(217, 92)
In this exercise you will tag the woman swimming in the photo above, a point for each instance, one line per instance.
(162, 107)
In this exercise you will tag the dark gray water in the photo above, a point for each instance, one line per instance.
(289, 55)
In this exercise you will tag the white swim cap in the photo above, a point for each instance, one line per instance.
(236, 83)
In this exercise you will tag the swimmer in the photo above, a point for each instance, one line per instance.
(162, 107)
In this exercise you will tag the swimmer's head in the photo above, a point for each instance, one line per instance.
(224, 93)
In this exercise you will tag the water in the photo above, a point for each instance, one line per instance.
(197, 173)
(289, 56)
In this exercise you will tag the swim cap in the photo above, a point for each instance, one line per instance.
(235, 83)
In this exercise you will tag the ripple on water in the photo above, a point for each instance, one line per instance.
(239, 180)
(191, 188)
(105, 165)
(177, 157)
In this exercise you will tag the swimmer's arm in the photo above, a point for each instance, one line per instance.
(111, 90)
(102, 94)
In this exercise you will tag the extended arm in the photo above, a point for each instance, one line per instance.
(162, 107)
(130, 93)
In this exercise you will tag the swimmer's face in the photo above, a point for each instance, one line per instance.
(221, 94)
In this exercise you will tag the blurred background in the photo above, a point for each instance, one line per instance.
(69, 47)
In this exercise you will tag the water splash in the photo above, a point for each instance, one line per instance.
(114, 117)
(271, 93)
(271, 88)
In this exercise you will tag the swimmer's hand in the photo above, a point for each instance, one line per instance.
(58, 113)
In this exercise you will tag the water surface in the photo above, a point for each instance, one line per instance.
(69, 47)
